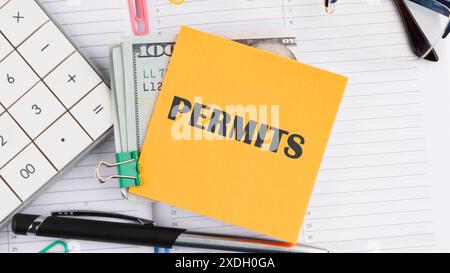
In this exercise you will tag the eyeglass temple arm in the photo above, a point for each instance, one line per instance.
(418, 41)
(446, 13)
(446, 32)
(439, 6)
(435, 5)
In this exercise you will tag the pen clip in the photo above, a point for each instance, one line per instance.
(88, 213)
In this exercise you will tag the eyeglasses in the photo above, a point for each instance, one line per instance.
(405, 22)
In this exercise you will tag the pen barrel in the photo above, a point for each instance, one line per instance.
(90, 230)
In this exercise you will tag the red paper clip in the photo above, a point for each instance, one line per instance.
(139, 17)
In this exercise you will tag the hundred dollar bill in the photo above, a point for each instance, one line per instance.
(145, 65)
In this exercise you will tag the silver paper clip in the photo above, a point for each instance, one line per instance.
(102, 179)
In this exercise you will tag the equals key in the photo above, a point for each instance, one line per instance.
(98, 109)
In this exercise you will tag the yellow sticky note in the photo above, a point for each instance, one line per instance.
(238, 134)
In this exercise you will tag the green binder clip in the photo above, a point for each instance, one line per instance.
(127, 170)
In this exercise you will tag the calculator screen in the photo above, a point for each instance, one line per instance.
(53, 104)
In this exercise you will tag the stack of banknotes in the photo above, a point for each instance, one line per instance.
(138, 67)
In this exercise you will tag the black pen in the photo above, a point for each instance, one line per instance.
(143, 232)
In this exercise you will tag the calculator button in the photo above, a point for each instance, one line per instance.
(12, 139)
(46, 49)
(19, 19)
(94, 111)
(28, 172)
(63, 141)
(5, 47)
(37, 110)
(9, 200)
(72, 80)
(16, 78)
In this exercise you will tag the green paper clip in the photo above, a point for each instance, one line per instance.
(54, 244)
(127, 168)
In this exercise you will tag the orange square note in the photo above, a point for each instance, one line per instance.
(238, 134)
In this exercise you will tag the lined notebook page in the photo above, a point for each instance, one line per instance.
(94, 26)
(372, 192)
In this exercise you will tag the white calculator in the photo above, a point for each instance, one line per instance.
(54, 106)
